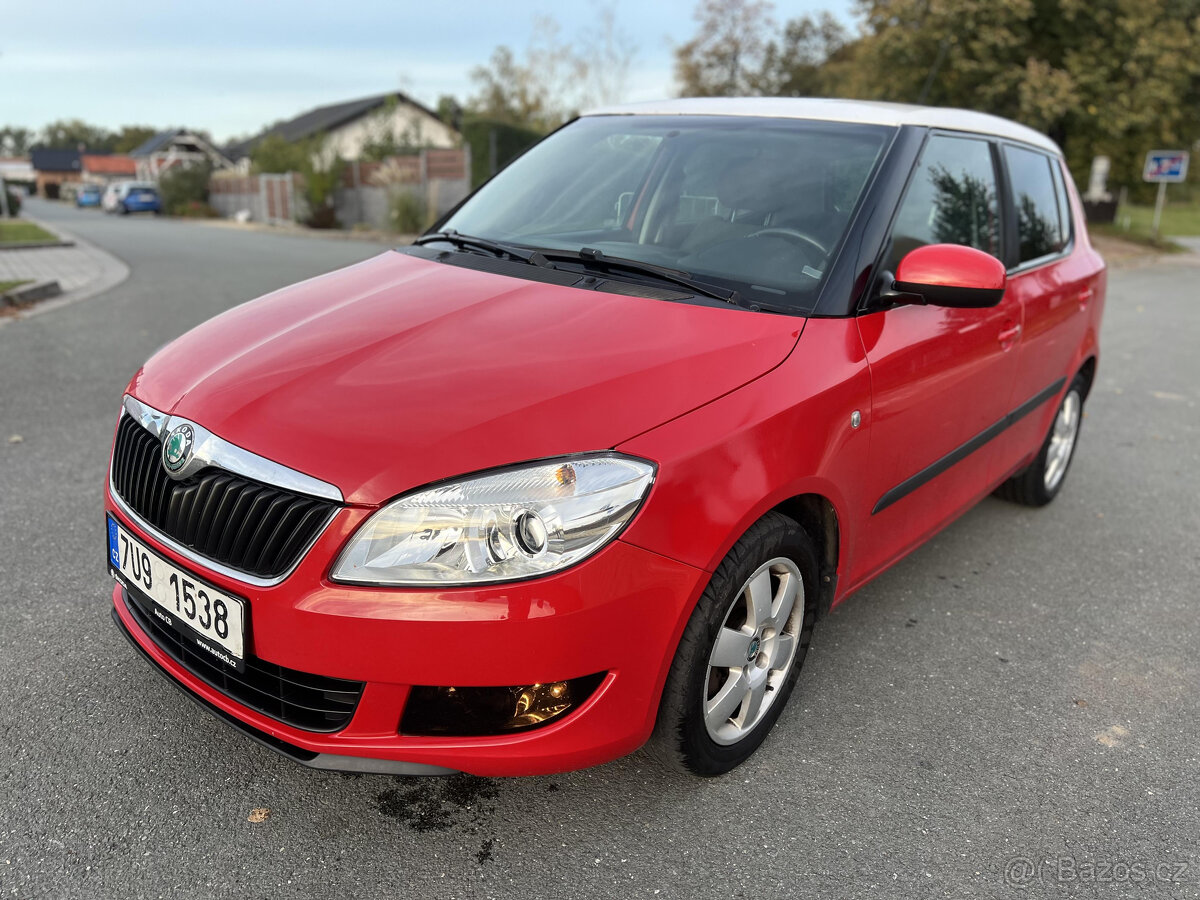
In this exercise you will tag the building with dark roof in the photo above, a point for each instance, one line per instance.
(350, 125)
(176, 147)
(53, 168)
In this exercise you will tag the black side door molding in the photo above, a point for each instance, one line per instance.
(933, 470)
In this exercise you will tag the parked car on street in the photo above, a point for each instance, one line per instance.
(132, 196)
(88, 195)
(582, 468)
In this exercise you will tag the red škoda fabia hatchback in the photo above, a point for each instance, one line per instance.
(582, 467)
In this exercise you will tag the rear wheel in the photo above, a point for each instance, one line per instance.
(1043, 479)
(741, 652)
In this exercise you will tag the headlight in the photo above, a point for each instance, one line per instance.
(511, 524)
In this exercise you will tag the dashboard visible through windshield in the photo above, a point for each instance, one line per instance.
(754, 205)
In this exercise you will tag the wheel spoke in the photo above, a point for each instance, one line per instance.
(754, 702)
(759, 592)
(730, 649)
(781, 650)
(731, 696)
(786, 599)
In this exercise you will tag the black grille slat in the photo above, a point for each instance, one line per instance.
(300, 699)
(294, 544)
(244, 524)
(278, 532)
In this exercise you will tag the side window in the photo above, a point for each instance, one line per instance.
(1038, 224)
(951, 199)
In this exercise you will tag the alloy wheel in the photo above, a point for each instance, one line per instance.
(754, 650)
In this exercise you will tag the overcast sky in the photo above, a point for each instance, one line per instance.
(233, 67)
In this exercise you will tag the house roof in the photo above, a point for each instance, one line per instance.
(156, 143)
(109, 165)
(865, 111)
(52, 159)
(324, 118)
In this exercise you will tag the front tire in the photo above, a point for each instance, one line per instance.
(741, 652)
(1040, 483)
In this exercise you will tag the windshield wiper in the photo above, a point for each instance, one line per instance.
(597, 259)
(467, 241)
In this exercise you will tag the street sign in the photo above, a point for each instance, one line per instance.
(1165, 166)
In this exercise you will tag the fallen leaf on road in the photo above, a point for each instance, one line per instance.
(15, 439)
(1113, 736)
(258, 815)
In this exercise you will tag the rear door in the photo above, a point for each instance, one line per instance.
(940, 378)
(1052, 290)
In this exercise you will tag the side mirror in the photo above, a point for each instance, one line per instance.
(951, 275)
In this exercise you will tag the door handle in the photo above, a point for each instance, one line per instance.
(1009, 334)
(1085, 297)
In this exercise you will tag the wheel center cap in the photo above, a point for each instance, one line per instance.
(755, 643)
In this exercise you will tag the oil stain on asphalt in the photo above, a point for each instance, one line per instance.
(439, 804)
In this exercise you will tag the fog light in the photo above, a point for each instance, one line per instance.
(465, 711)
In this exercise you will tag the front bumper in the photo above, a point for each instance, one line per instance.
(620, 612)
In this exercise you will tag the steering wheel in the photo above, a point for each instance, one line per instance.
(793, 235)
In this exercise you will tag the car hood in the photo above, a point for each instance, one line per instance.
(400, 371)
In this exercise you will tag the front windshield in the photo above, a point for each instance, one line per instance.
(756, 205)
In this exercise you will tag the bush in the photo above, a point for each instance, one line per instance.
(14, 205)
(184, 187)
(408, 212)
(321, 179)
(195, 209)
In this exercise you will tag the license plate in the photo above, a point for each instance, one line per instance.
(207, 617)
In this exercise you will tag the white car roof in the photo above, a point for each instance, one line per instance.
(867, 112)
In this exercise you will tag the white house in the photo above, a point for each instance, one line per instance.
(347, 127)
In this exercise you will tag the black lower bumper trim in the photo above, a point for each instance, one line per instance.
(308, 758)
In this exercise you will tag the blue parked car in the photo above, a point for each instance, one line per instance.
(137, 196)
(89, 195)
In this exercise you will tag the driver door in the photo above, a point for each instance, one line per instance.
(940, 377)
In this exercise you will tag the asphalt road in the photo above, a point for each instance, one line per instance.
(1023, 687)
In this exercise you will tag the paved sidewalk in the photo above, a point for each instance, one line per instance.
(82, 270)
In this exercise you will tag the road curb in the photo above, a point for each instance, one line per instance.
(35, 245)
(28, 293)
(112, 272)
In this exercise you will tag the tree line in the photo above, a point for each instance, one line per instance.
(71, 134)
(1111, 77)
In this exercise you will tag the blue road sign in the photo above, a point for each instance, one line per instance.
(1165, 165)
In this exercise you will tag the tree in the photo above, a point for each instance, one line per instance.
(273, 154)
(555, 78)
(71, 134)
(607, 54)
(130, 137)
(14, 140)
(320, 167)
(802, 62)
(729, 50)
(535, 92)
(184, 189)
(1102, 76)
